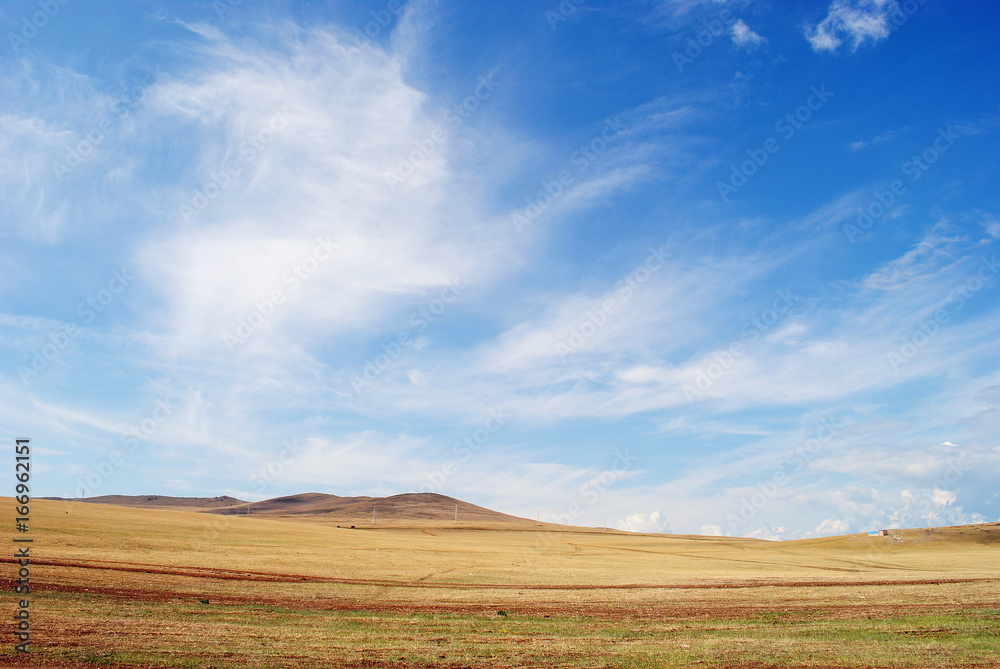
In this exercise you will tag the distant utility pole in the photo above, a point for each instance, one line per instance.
(456, 514)
(248, 506)
(374, 515)
(538, 521)
(605, 522)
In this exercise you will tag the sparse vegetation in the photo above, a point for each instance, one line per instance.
(138, 588)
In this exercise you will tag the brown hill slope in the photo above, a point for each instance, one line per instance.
(358, 510)
(408, 509)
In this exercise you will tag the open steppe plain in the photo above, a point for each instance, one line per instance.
(140, 587)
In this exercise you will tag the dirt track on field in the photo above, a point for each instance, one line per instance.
(174, 586)
(530, 606)
(274, 577)
(722, 611)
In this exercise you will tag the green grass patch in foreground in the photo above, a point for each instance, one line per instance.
(109, 632)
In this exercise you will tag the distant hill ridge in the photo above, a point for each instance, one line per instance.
(402, 507)
(406, 506)
(159, 501)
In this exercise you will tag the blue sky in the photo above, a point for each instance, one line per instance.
(697, 266)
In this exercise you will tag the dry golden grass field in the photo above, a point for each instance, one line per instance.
(145, 587)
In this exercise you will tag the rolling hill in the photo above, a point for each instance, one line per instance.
(406, 509)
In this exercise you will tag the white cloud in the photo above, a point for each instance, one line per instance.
(885, 136)
(712, 530)
(351, 118)
(773, 533)
(942, 497)
(992, 228)
(830, 527)
(671, 13)
(857, 21)
(744, 37)
(927, 258)
(641, 522)
(989, 395)
(812, 355)
(882, 137)
(366, 460)
(28, 186)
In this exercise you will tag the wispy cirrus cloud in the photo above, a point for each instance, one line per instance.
(245, 186)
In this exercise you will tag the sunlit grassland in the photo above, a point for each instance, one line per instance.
(139, 587)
